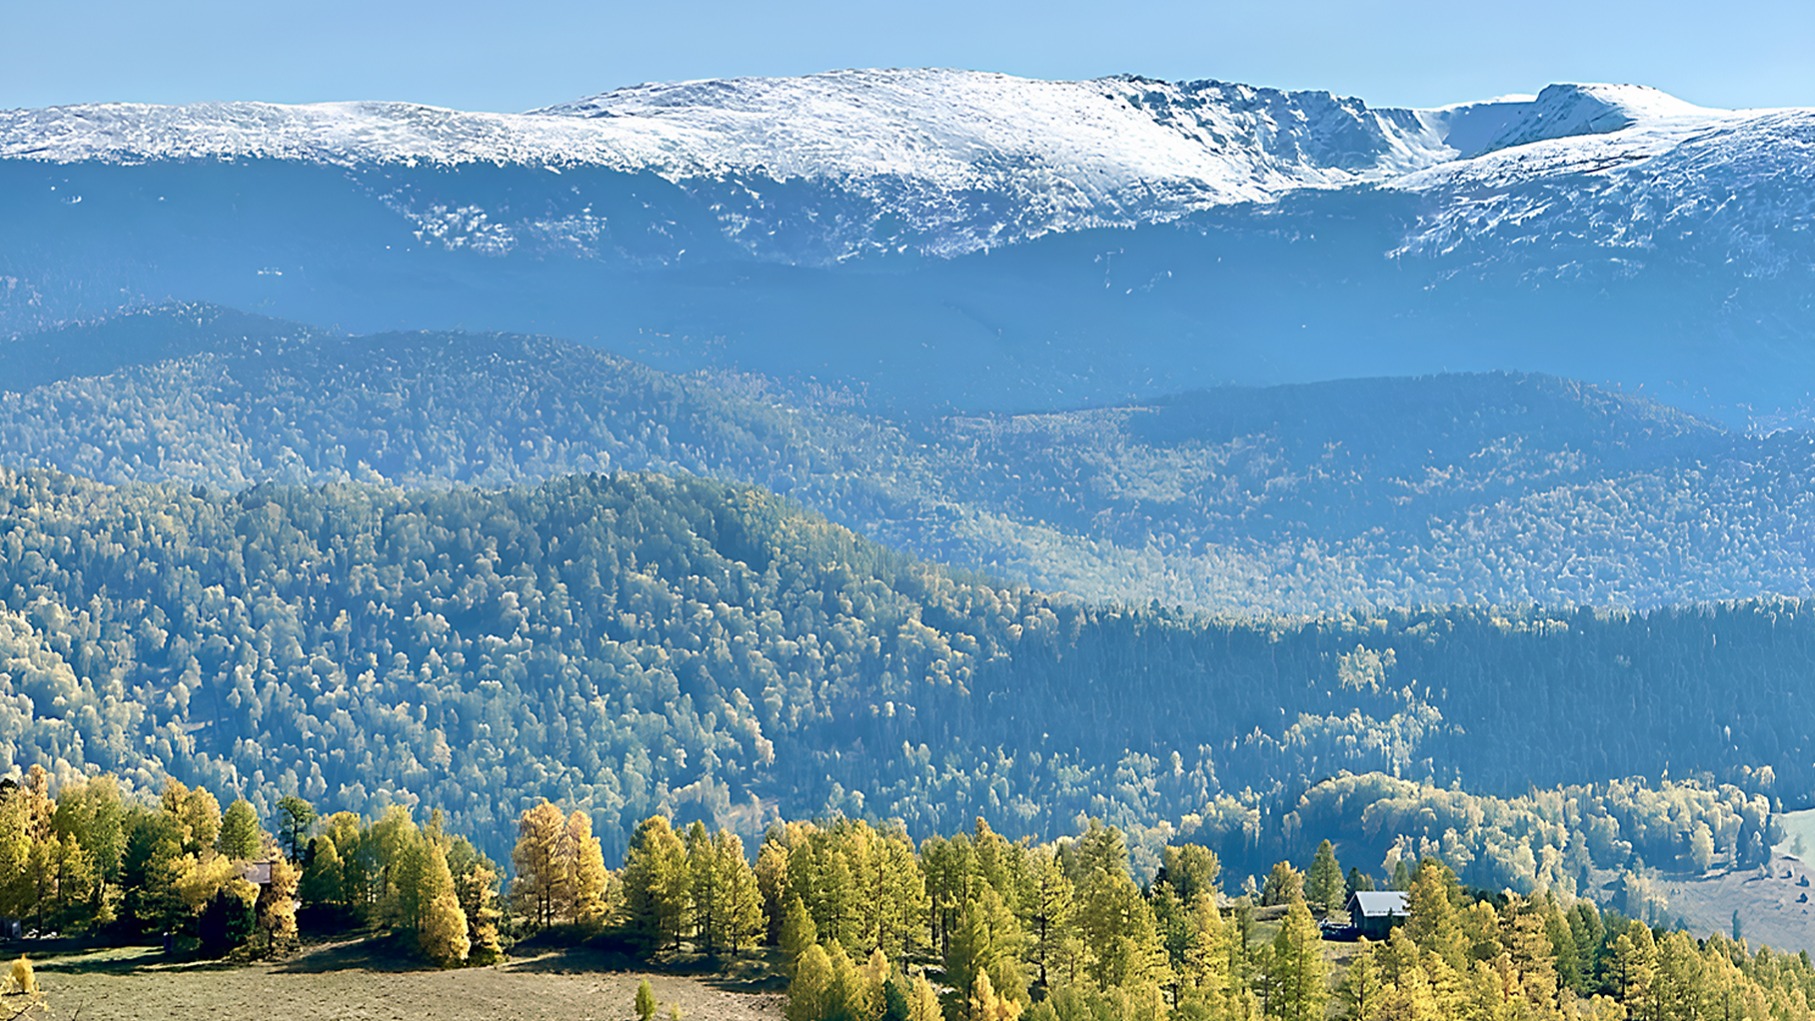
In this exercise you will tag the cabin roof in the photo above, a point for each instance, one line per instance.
(1379, 904)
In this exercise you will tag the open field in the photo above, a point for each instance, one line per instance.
(346, 982)
(1798, 825)
(1771, 912)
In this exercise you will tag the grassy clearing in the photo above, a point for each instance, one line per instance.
(363, 981)
(1771, 911)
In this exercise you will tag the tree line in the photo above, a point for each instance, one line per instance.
(1073, 923)
(867, 922)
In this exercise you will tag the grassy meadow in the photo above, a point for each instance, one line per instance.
(372, 981)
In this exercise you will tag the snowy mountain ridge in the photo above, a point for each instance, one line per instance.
(955, 239)
(967, 160)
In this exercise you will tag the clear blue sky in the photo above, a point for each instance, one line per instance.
(516, 55)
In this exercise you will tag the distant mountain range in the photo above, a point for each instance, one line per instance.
(1496, 489)
(968, 241)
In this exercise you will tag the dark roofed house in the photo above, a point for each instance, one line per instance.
(1373, 913)
(258, 873)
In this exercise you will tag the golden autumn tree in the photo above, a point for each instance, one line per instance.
(810, 993)
(542, 880)
(588, 880)
(985, 1004)
(276, 907)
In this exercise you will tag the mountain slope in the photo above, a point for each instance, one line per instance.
(1498, 489)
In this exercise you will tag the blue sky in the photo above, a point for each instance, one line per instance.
(512, 56)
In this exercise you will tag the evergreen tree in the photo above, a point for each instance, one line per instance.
(1701, 847)
(1633, 970)
(1361, 990)
(798, 934)
(811, 996)
(851, 990)
(295, 818)
(705, 887)
(476, 887)
(895, 1003)
(923, 1001)
(1285, 885)
(427, 903)
(1203, 967)
(985, 1004)
(1297, 972)
(1435, 925)
(742, 906)
(1190, 869)
(227, 919)
(323, 876)
(656, 884)
(91, 813)
(241, 838)
(442, 937)
(196, 814)
(772, 882)
(1324, 885)
(988, 939)
(1402, 875)
(276, 907)
(1051, 910)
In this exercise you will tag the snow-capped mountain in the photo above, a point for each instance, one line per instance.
(959, 160)
(944, 162)
(1211, 232)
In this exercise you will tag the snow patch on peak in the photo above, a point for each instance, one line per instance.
(1560, 111)
(1569, 110)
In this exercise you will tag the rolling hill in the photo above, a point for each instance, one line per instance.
(1487, 489)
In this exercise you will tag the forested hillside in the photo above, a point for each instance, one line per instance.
(634, 642)
(1479, 490)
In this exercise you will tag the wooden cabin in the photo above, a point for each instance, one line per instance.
(1373, 913)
